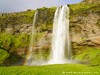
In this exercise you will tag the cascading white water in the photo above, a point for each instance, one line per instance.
(30, 55)
(60, 39)
(61, 48)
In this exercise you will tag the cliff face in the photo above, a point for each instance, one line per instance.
(85, 26)
(15, 28)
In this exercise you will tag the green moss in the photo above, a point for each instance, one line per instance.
(90, 55)
(96, 60)
(6, 40)
(21, 40)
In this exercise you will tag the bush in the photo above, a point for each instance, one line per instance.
(3, 55)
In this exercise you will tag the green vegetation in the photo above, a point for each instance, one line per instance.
(13, 19)
(26, 17)
(3, 55)
(18, 17)
(22, 40)
(10, 45)
(8, 41)
(90, 55)
(83, 9)
(66, 69)
(48, 17)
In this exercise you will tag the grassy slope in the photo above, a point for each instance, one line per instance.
(83, 9)
(50, 70)
(25, 17)
(90, 55)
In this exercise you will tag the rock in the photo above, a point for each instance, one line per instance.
(92, 42)
(86, 33)
(95, 40)
(25, 28)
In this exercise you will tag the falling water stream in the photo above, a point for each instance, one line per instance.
(29, 59)
(61, 48)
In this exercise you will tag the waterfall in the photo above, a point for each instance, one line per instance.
(30, 55)
(61, 48)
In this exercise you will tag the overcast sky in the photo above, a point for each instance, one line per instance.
(21, 5)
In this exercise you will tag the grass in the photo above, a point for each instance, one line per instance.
(91, 55)
(65, 69)
(83, 9)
